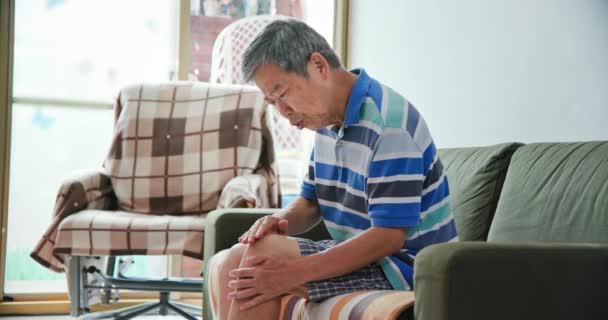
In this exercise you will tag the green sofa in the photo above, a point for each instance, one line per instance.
(533, 228)
(543, 252)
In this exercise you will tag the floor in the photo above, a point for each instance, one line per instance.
(70, 318)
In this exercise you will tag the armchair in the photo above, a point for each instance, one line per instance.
(227, 58)
(179, 151)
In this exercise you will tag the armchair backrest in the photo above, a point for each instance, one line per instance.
(176, 145)
(554, 192)
(231, 43)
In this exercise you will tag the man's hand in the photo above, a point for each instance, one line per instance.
(262, 227)
(267, 278)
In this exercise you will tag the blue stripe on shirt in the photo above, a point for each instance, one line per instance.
(443, 234)
(392, 167)
(344, 175)
(432, 198)
(344, 218)
(395, 214)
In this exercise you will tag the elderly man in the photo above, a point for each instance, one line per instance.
(374, 178)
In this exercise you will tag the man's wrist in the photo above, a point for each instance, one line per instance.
(282, 214)
(305, 267)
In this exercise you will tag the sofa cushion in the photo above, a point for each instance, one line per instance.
(101, 232)
(555, 192)
(476, 176)
(176, 145)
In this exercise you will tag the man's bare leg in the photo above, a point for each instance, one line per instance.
(232, 260)
(269, 245)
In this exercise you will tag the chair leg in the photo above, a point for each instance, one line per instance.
(138, 312)
(84, 292)
(193, 310)
(124, 312)
(164, 301)
(181, 312)
(107, 293)
(75, 286)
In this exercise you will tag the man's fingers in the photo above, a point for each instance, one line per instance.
(243, 237)
(243, 294)
(242, 273)
(252, 232)
(264, 227)
(255, 260)
(243, 283)
(283, 224)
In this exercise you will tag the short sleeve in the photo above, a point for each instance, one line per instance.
(308, 184)
(395, 180)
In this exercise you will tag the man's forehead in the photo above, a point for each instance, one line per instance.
(269, 78)
(269, 87)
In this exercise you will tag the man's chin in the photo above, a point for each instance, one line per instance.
(311, 128)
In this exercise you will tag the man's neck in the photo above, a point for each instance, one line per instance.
(343, 86)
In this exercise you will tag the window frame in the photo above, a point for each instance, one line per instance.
(7, 15)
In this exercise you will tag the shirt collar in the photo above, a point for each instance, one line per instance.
(357, 96)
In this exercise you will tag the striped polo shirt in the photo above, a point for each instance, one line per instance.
(381, 168)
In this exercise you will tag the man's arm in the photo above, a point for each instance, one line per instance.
(266, 277)
(302, 215)
(350, 255)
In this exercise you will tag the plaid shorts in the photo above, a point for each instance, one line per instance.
(370, 277)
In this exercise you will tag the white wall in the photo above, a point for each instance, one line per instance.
(485, 72)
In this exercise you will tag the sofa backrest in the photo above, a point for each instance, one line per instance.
(475, 176)
(555, 192)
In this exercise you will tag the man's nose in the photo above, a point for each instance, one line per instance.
(284, 109)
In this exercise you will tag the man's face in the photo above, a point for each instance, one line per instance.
(299, 99)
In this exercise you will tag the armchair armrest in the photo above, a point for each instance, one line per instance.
(86, 190)
(246, 191)
(478, 280)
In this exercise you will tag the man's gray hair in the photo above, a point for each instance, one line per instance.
(288, 44)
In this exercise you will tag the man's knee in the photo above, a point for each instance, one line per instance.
(274, 244)
(231, 258)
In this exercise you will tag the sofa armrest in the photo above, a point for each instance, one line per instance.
(478, 280)
(222, 229)
(224, 226)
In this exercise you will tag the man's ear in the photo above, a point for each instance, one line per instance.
(319, 65)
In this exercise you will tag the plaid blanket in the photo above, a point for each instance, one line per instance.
(179, 151)
(176, 146)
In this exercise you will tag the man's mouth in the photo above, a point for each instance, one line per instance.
(299, 124)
